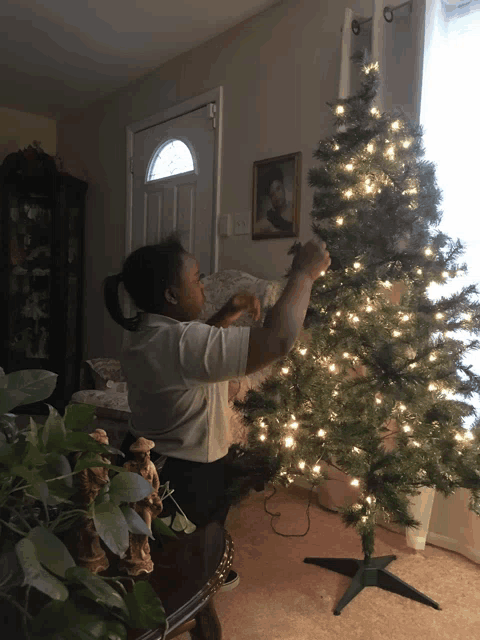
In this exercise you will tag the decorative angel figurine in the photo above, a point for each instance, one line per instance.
(138, 559)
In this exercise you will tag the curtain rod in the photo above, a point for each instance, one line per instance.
(386, 12)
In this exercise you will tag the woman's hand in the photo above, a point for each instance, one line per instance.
(241, 302)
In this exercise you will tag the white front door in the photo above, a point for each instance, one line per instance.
(182, 202)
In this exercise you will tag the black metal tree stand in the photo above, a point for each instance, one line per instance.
(369, 572)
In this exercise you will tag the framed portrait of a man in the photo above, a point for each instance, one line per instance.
(276, 197)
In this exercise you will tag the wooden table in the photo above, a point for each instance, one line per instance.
(187, 574)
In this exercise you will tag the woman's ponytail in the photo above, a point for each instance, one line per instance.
(112, 302)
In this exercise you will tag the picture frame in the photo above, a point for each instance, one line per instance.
(276, 197)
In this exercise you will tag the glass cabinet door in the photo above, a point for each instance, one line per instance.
(30, 239)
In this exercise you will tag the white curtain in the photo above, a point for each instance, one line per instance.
(428, 57)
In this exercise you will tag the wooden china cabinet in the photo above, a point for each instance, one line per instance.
(41, 275)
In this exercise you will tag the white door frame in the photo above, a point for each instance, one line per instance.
(214, 95)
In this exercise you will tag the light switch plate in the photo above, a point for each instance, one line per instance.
(241, 224)
(225, 225)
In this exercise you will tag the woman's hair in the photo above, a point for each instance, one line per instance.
(147, 272)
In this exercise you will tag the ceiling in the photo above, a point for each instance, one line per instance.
(57, 55)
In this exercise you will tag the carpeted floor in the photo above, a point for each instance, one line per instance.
(282, 598)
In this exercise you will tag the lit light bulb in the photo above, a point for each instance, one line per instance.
(356, 450)
(439, 316)
(391, 152)
(374, 111)
(402, 407)
(303, 351)
(468, 435)
(432, 387)
(357, 265)
(405, 317)
(349, 193)
(406, 428)
(432, 357)
(445, 274)
(387, 284)
(368, 309)
(340, 110)
(378, 400)
(395, 125)
(289, 442)
(406, 143)
(339, 221)
(294, 425)
(364, 518)
(397, 334)
(428, 252)
(336, 147)
(349, 167)
(301, 464)
(316, 469)
(370, 148)
(285, 370)
(468, 316)
(419, 271)
(339, 313)
(355, 319)
(262, 437)
(414, 442)
(355, 483)
(413, 365)
(332, 367)
(322, 433)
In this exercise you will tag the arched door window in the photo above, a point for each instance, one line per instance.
(171, 159)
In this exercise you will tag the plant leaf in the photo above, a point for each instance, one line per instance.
(97, 588)
(57, 465)
(112, 527)
(51, 551)
(136, 524)
(68, 621)
(35, 574)
(160, 529)
(129, 487)
(89, 460)
(24, 387)
(53, 432)
(79, 416)
(145, 607)
(32, 433)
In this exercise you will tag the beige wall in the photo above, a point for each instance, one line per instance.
(278, 69)
(18, 129)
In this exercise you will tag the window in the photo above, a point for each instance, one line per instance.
(171, 159)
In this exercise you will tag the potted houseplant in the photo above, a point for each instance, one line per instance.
(39, 579)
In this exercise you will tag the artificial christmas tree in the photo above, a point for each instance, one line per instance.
(380, 390)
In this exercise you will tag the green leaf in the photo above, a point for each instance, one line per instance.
(159, 528)
(39, 488)
(129, 487)
(97, 588)
(51, 551)
(53, 433)
(111, 526)
(57, 465)
(79, 416)
(115, 630)
(136, 524)
(68, 621)
(11, 574)
(89, 460)
(25, 387)
(35, 574)
(32, 434)
(146, 609)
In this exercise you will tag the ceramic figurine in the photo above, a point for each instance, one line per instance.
(138, 559)
(89, 553)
